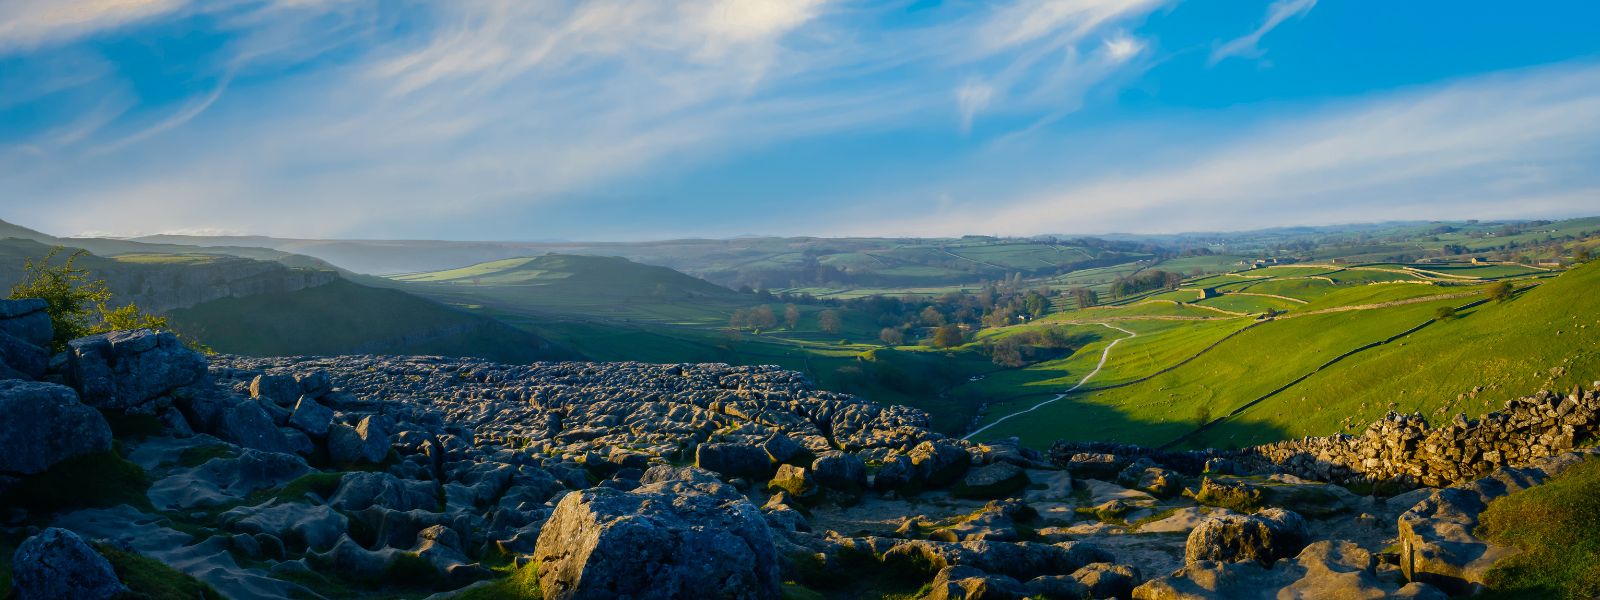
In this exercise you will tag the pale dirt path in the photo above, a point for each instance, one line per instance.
(1105, 354)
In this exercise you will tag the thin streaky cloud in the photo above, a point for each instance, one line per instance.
(1249, 45)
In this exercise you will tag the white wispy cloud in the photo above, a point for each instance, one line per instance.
(491, 104)
(1248, 46)
(1508, 145)
(26, 24)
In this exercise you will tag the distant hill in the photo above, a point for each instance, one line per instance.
(577, 276)
(269, 307)
(347, 318)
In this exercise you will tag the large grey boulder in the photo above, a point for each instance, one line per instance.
(42, 424)
(733, 460)
(59, 565)
(247, 424)
(282, 389)
(840, 471)
(688, 537)
(1263, 537)
(311, 417)
(367, 442)
(939, 463)
(125, 370)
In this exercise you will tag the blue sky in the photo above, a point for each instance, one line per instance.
(535, 119)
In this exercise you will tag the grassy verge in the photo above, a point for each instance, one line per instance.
(1557, 528)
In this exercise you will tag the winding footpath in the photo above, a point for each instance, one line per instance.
(1106, 354)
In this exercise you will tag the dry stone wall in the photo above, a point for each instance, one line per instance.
(1400, 449)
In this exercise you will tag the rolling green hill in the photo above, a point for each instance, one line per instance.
(347, 318)
(257, 307)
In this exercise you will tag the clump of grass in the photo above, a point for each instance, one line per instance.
(132, 427)
(321, 483)
(521, 584)
(149, 579)
(97, 480)
(1556, 527)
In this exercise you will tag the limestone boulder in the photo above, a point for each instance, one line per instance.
(125, 370)
(56, 564)
(733, 460)
(367, 442)
(995, 480)
(673, 538)
(1263, 537)
(939, 463)
(43, 424)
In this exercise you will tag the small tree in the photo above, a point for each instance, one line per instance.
(791, 316)
(891, 336)
(948, 336)
(761, 317)
(1444, 313)
(1500, 291)
(77, 305)
(828, 320)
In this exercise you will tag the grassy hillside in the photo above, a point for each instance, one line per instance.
(1546, 337)
(346, 318)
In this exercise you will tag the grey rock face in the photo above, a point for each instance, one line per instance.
(299, 525)
(125, 370)
(27, 321)
(367, 442)
(733, 460)
(1263, 537)
(247, 424)
(685, 538)
(29, 360)
(59, 565)
(1437, 545)
(360, 490)
(42, 424)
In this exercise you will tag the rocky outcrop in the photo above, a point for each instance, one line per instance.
(124, 371)
(56, 564)
(690, 536)
(42, 424)
(1263, 537)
